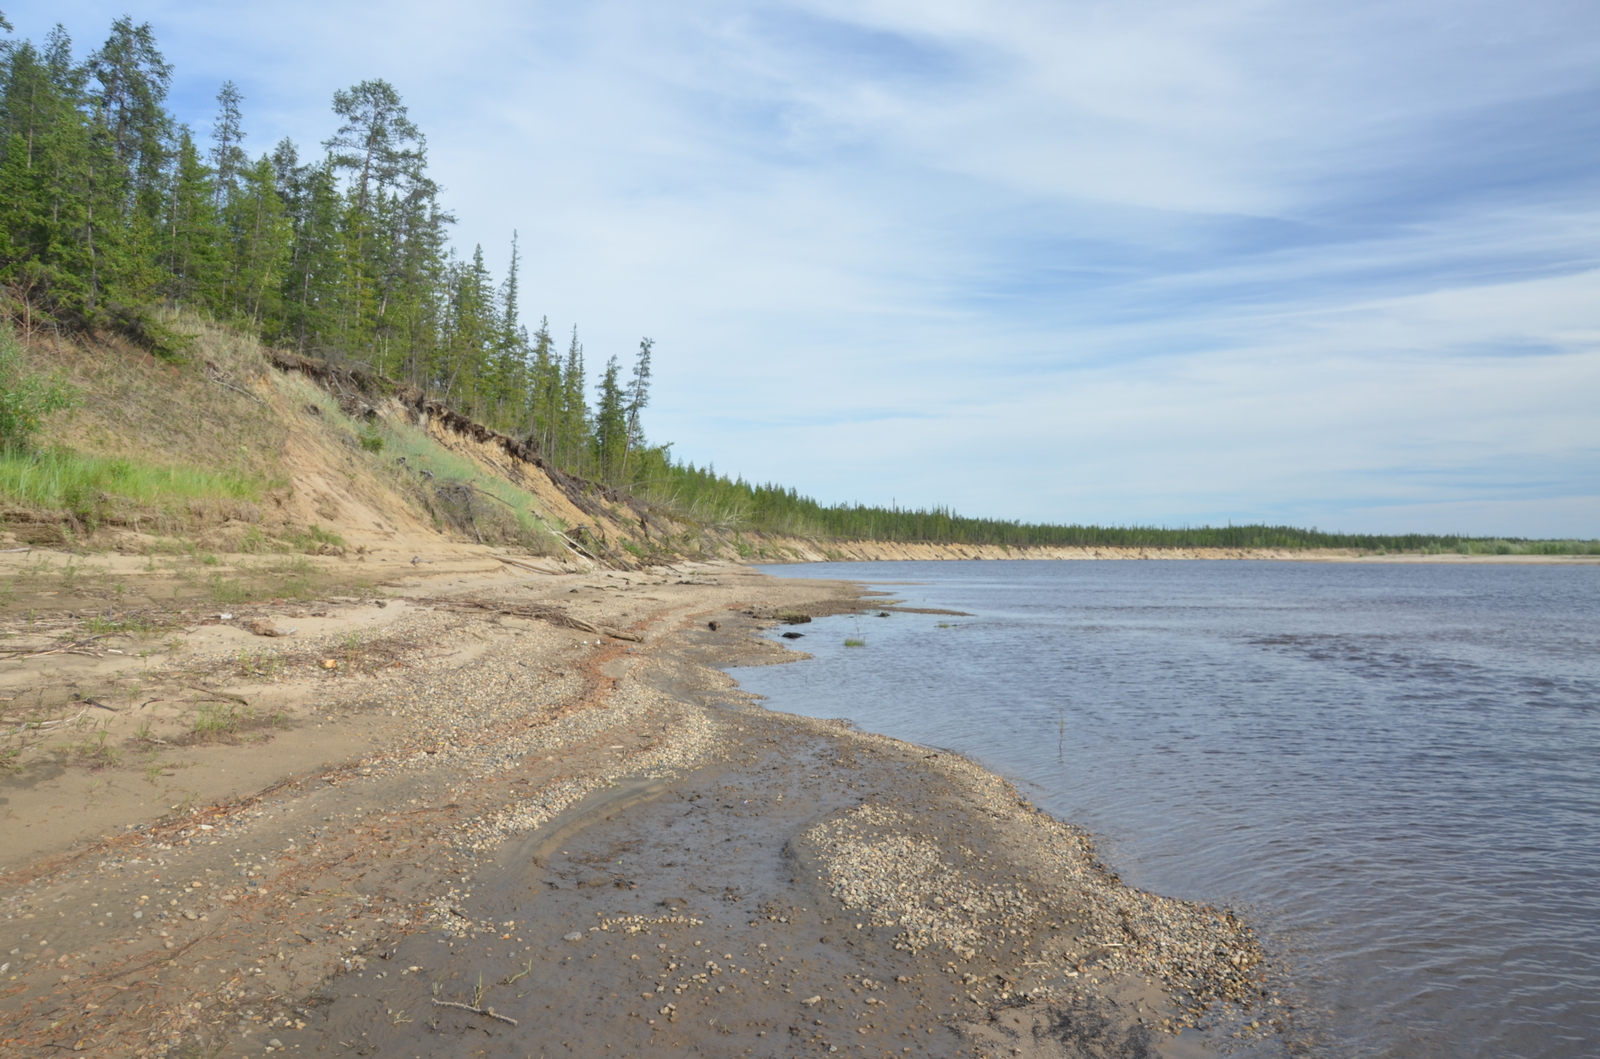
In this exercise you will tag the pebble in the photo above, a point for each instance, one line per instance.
(880, 861)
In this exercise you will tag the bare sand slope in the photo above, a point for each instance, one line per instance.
(531, 816)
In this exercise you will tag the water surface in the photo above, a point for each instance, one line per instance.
(1394, 769)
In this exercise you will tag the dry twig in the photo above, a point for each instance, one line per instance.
(490, 1012)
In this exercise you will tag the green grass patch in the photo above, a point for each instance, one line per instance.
(287, 579)
(75, 482)
(855, 643)
(227, 721)
(313, 538)
(217, 721)
(95, 750)
(457, 491)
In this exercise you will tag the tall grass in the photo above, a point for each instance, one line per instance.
(70, 480)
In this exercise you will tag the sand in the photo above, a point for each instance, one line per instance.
(488, 828)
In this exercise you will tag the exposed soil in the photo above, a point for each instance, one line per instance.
(538, 819)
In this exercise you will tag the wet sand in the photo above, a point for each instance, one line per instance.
(559, 841)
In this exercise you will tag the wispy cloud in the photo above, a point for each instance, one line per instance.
(1168, 262)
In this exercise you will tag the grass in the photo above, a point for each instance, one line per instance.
(108, 624)
(457, 491)
(855, 643)
(158, 417)
(96, 751)
(313, 538)
(261, 665)
(223, 721)
(65, 480)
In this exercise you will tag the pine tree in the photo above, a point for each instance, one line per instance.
(395, 248)
(372, 142)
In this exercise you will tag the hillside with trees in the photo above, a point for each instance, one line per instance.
(110, 207)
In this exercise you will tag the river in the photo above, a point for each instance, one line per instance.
(1392, 769)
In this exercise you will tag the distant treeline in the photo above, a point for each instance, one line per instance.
(111, 209)
(736, 504)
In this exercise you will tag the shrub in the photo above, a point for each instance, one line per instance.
(25, 398)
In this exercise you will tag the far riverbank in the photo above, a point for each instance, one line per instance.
(779, 550)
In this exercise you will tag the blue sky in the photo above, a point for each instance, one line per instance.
(1333, 264)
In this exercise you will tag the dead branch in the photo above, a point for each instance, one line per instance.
(553, 615)
(490, 1012)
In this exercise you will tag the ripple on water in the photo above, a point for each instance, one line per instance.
(1396, 768)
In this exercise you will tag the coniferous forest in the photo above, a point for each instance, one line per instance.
(111, 207)
(113, 214)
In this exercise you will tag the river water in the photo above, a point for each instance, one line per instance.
(1394, 770)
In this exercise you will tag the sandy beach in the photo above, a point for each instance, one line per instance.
(495, 811)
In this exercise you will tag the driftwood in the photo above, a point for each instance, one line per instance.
(218, 696)
(45, 726)
(490, 1012)
(74, 647)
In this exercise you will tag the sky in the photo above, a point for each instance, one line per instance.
(1330, 264)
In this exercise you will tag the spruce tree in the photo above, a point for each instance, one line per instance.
(610, 422)
(544, 391)
(261, 232)
(45, 192)
(191, 235)
(134, 80)
(638, 395)
(228, 159)
(573, 431)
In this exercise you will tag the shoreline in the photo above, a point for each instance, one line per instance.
(811, 551)
(540, 833)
